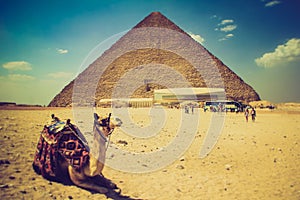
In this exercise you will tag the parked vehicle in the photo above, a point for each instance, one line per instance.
(222, 106)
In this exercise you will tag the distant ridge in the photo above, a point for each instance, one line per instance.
(15, 105)
(235, 87)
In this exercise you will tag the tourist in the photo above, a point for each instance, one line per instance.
(253, 114)
(247, 114)
(186, 107)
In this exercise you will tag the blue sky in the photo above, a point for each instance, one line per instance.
(43, 43)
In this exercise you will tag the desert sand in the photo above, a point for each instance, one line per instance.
(254, 160)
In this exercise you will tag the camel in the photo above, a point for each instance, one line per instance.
(63, 155)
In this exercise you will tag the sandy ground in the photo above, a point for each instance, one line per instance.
(259, 160)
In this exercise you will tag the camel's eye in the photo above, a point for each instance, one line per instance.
(104, 122)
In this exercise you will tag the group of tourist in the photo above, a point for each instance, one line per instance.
(188, 108)
(252, 112)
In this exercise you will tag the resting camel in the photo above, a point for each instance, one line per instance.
(63, 155)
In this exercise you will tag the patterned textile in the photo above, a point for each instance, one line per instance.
(73, 149)
(46, 154)
(63, 139)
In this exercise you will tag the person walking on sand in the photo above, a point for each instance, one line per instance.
(253, 114)
(247, 114)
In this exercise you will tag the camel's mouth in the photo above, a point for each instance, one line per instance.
(116, 121)
(111, 131)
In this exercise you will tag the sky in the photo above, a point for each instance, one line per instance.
(43, 43)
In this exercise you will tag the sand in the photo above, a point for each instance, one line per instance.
(259, 160)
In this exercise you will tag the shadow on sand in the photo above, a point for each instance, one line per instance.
(118, 196)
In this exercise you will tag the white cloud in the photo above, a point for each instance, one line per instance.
(17, 65)
(62, 51)
(272, 3)
(226, 21)
(20, 77)
(230, 35)
(282, 55)
(60, 75)
(226, 25)
(228, 28)
(198, 38)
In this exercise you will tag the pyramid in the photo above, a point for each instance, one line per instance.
(155, 54)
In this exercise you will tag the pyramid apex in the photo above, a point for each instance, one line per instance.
(157, 19)
(155, 13)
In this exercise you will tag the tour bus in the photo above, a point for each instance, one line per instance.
(222, 106)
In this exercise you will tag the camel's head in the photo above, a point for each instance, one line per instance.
(106, 123)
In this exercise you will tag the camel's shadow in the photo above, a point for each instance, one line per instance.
(112, 193)
(115, 194)
(118, 196)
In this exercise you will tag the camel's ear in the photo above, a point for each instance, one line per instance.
(108, 119)
(96, 116)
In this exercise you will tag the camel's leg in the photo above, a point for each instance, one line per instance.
(62, 170)
(81, 180)
(101, 180)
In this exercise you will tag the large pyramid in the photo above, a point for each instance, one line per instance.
(157, 44)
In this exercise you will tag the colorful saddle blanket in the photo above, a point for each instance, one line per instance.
(63, 139)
